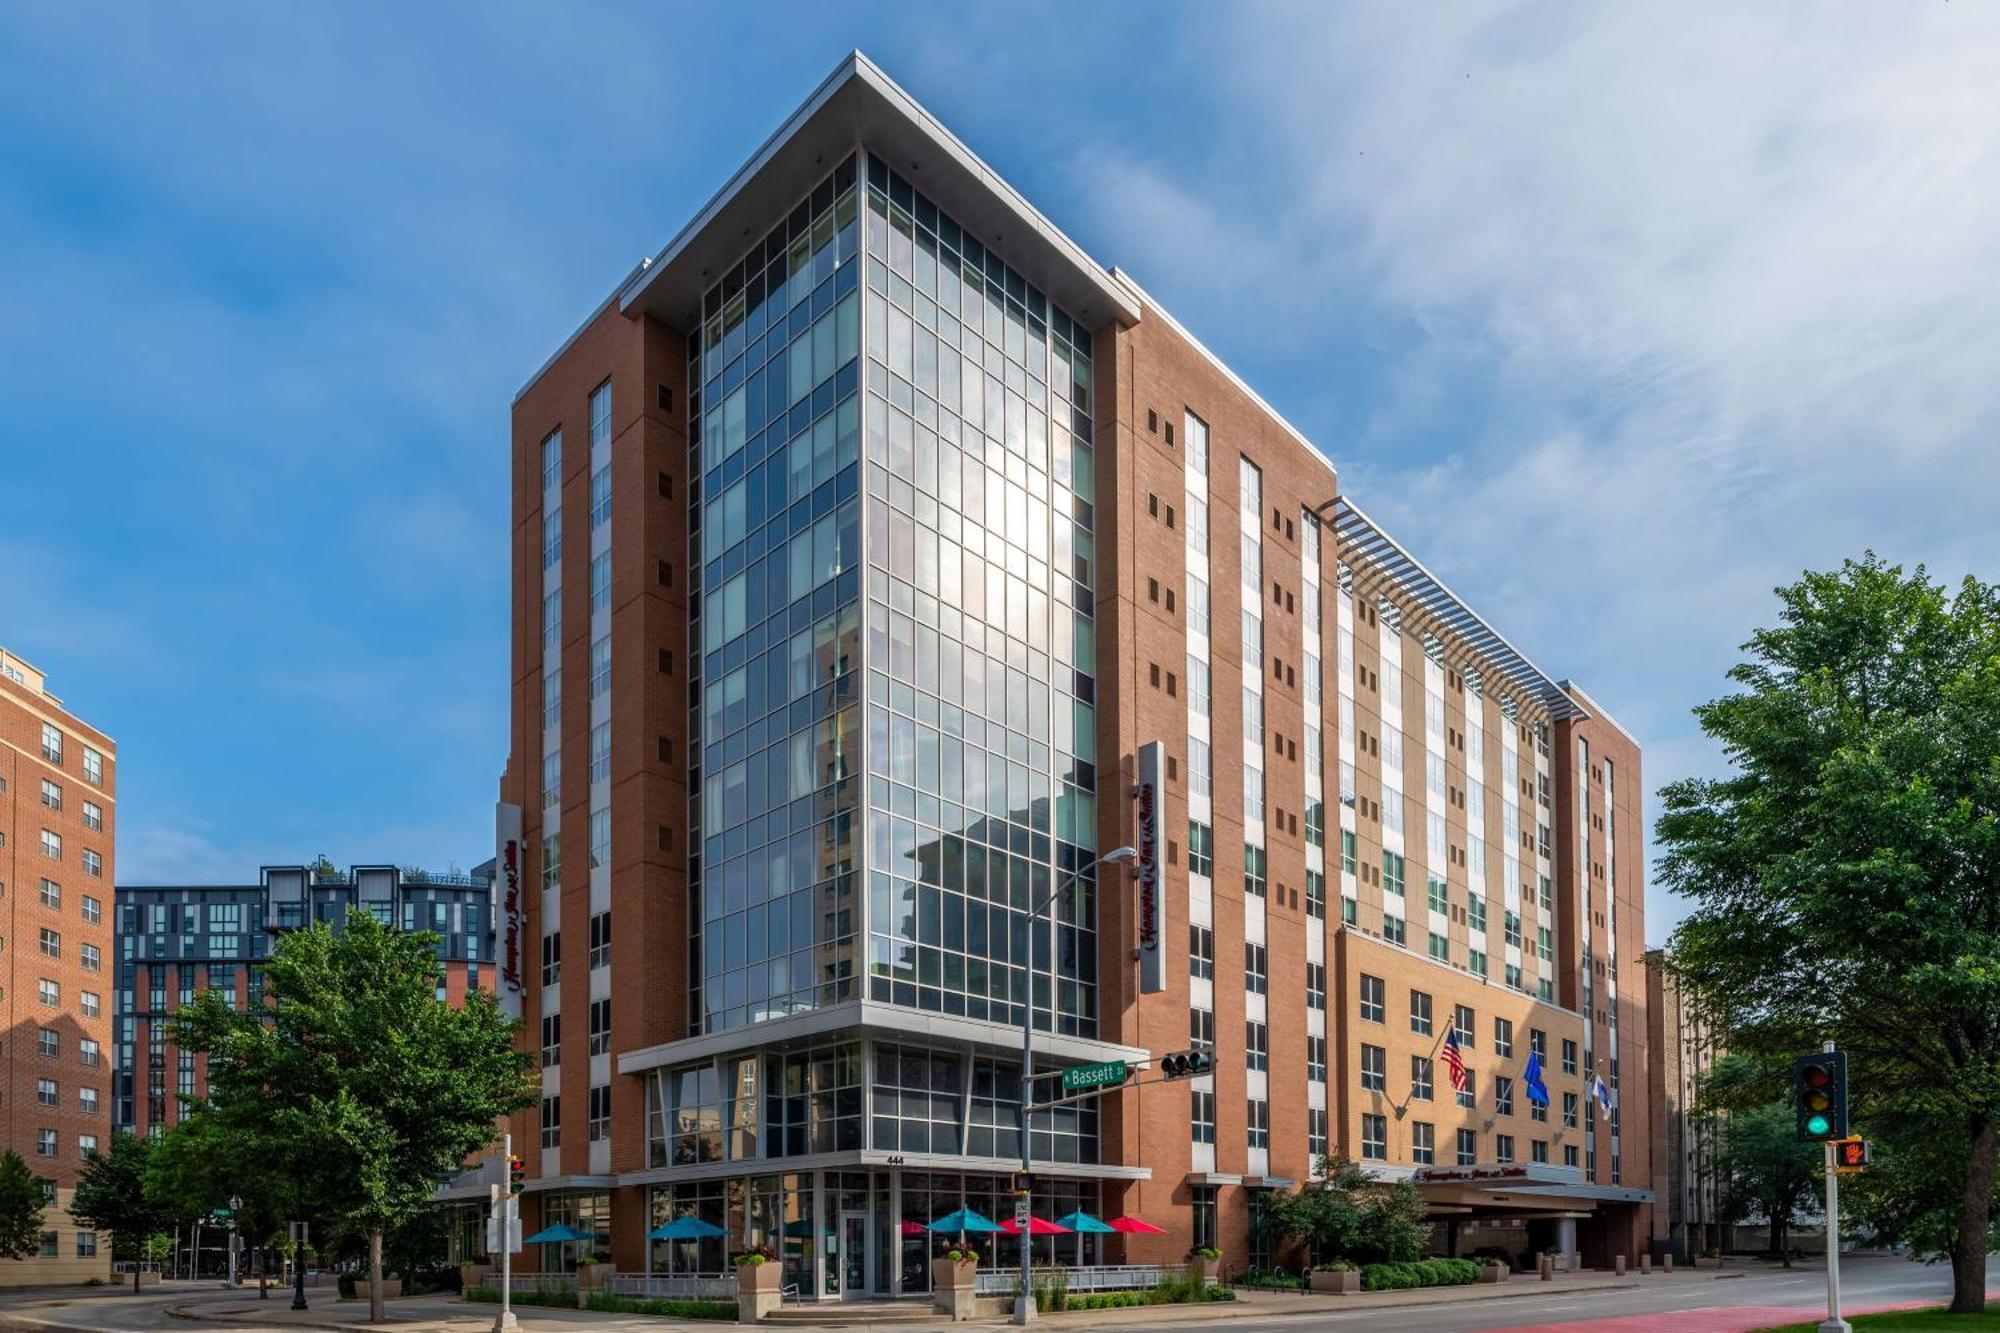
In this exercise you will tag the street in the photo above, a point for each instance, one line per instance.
(1749, 1297)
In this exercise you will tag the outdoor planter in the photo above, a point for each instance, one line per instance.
(1708, 1261)
(1494, 1273)
(759, 1290)
(952, 1288)
(1208, 1271)
(474, 1275)
(392, 1287)
(1336, 1282)
(596, 1277)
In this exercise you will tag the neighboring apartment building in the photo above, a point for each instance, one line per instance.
(1687, 1142)
(58, 818)
(175, 941)
(863, 541)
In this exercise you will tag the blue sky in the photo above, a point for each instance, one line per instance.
(1684, 300)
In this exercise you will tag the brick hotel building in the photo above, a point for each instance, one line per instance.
(862, 539)
(58, 818)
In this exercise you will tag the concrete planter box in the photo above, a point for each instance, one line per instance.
(1331, 1282)
(1708, 1261)
(597, 1277)
(475, 1275)
(1209, 1271)
(1494, 1273)
(759, 1290)
(392, 1287)
(951, 1289)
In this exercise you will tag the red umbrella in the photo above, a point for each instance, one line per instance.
(1036, 1227)
(913, 1228)
(1133, 1226)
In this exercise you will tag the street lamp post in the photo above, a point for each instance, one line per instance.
(1024, 1299)
(235, 1206)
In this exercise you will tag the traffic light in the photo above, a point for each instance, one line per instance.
(1819, 1093)
(1851, 1154)
(1188, 1064)
(517, 1175)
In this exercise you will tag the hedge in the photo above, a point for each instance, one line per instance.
(1419, 1273)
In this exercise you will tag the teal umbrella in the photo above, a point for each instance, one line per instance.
(562, 1233)
(965, 1219)
(1080, 1222)
(685, 1228)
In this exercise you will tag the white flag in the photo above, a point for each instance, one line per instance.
(1602, 1091)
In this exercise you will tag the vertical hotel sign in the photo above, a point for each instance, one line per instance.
(1152, 877)
(509, 911)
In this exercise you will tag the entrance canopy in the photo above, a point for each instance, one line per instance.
(1516, 1190)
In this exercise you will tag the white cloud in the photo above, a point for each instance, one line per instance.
(1717, 287)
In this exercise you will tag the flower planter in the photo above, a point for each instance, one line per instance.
(1494, 1273)
(1335, 1282)
(475, 1275)
(1208, 1271)
(952, 1288)
(596, 1277)
(759, 1290)
(392, 1287)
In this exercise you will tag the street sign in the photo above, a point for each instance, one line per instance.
(1082, 1078)
(512, 1216)
(1021, 1212)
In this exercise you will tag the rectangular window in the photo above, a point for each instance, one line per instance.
(93, 910)
(1420, 1013)
(51, 993)
(1256, 965)
(1438, 896)
(1468, 1147)
(1201, 952)
(52, 844)
(1569, 1110)
(90, 957)
(551, 539)
(1469, 1099)
(1258, 1120)
(45, 1144)
(600, 752)
(552, 700)
(1253, 870)
(51, 795)
(1538, 1150)
(93, 767)
(1198, 686)
(552, 622)
(91, 1003)
(1440, 947)
(1569, 1156)
(86, 1244)
(1511, 927)
(93, 816)
(47, 1042)
(1372, 993)
(1315, 895)
(1503, 1148)
(47, 1093)
(552, 778)
(600, 582)
(1201, 849)
(600, 416)
(1462, 1021)
(1423, 1143)
(1316, 1059)
(551, 1040)
(1503, 1037)
(1422, 1078)
(552, 1121)
(52, 744)
(552, 460)
(1203, 1110)
(1348, 862)
(1569, 1056)
(1392, 874)
(552, 958)
(1316, 986)
(1316, 1134)
(1392, 928)
(600, 667)
(600, 497)
(600, 838)
(1201, 768)
(1201, 1028)
(1374, 1068)
(93, 864)
(600, 1112)
(1257, 1043)
(89, 1052)
(1374, 1138)
(1503, 1095)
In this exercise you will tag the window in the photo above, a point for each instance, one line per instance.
(1469, 1099)
(1503, 1148)
(1372, 992)
(1503, 1037)
(1503, 1095)
(600, 582)
(551, 460)
(1257, 1043)
(1392, 928)
(600, 752)
(45, 1144)
(1475, 961)
(51, 795)
(552, 622)
(1258, 1120)
(1468, 1147)
(1440, 947)
(1392, 874)
(1316, 1134)
(92, 959)
(52, 744)
(600, 1112)
(1203, 1110)
(51, 1242)
(1201, 768)
(1511, 927)
(552, 699)
(47, 1093)
(1374, 1068)
(93, 910)
(600, 667)
(86, 1100)
(1253, 870)
(1569, 1110)
(600, 1027)
(551, 538)
(1545, 944)
(1256, 973)
(600, 838)
(1569, 1156)
(1374, 1138)
(552, 778)
(86, 1244)
(1316, 1059)
(1198, 686)
(52, 844)
(1475, 912)
(1201, 849)
(1462, 1019)
(552, 958)
(600, 498)
(551, 1040)
(1422, 1078)
(1201, 952)
(93, 767)
(1569, 1056)
(1348, 862)
(51, 993)
(1439, 896)
(1538, 1150)
(1316, 895)
(51, 943)
(1316, 986)
(600, 941)
(93, 816)
(600, 416)
(552, 1121)
(88, 1051)
(1201, 1028)
(93, 864)
(91, 1003)
(1423, 1143)
(1420, 1013)
(47, 1042)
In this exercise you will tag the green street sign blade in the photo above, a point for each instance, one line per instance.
(1083, 1078)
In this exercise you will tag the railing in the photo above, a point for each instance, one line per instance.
(550, 1283)
(678, 1286)
(1099, 1277)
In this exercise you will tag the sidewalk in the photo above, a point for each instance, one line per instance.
(430, 1314)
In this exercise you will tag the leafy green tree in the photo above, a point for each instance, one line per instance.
(200, 1165)
(1766, 1172)
(1845, 875)
(21, 1206)
(1344, 1212)
(376, 1088)
(111, 1196)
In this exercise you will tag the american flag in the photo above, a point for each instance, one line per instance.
(1453, 1060)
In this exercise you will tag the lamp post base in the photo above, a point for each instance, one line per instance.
(505, 1322)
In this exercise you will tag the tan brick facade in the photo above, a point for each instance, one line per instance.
(49, 1037)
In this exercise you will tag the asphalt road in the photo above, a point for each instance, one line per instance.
(1717, 1304)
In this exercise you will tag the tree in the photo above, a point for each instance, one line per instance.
(1346, 1213)
(200, 1165)
(376, 1089)
(1846, 874)
(21, 1204)
(111, 1196)
(1766, 1172)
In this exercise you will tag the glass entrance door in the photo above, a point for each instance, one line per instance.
(854, 1265)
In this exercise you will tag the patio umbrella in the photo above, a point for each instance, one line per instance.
(1136, 1226)
(1081, 1223)
(562, 1233)
(1037, 1226)
(913, 1228)
(684, 1228)
(964, 1220)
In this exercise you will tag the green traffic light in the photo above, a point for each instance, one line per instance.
(1818, 1124)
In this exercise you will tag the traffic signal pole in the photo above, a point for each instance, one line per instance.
(1833, 1323)
(505, 1321)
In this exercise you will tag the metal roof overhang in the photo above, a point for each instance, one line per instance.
(1362, 539)
(859, 106)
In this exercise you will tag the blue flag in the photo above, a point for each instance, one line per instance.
(1538, 1091)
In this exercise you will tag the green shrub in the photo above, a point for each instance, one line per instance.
(672, 1308)
(1419, 1273)
(1269, 1279)
(344, 1284)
